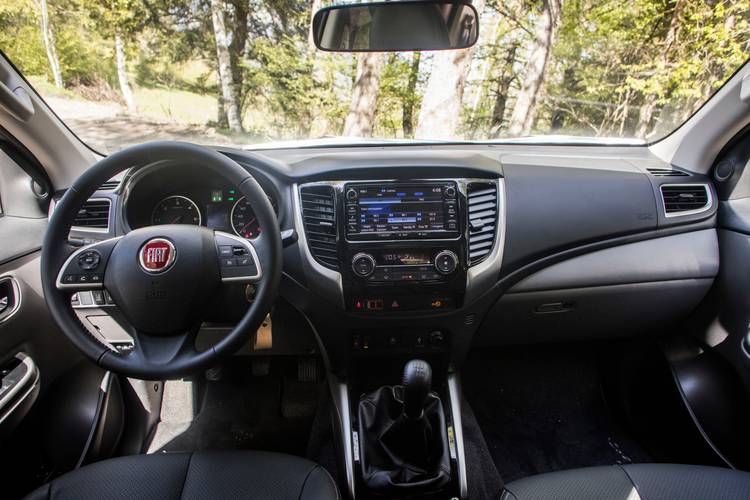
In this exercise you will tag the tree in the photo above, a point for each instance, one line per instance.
(226, 75)
(121, 20)
(441, 105)
(360, 121)
(535, 72)
(48, 38)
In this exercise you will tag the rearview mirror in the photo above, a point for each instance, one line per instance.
(396, 26)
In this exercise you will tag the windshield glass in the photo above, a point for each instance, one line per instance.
(242, 72)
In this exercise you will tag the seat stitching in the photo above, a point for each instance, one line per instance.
(632, 481)
(302, 490)
(187, 471)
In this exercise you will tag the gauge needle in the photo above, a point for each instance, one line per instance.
(177, 220)
(243, 227)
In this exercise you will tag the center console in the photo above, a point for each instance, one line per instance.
(402, 261)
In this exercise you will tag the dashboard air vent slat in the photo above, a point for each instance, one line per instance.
(319, 217)
(685, 199)
(109, 186)
(94, 214)
(482, 213)
(667, 172)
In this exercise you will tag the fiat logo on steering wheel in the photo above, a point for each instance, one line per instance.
(157, 255)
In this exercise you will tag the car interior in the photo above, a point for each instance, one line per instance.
(438, 320)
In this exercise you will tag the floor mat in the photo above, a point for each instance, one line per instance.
(240, 411)
(541, 409)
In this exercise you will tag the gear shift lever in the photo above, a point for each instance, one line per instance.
(417, 381)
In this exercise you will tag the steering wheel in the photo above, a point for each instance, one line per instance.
(162, 278)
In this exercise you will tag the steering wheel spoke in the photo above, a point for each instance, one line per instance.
(85, 267)
(238, 259)
(163, 350)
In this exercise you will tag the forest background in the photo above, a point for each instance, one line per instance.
(240, 72)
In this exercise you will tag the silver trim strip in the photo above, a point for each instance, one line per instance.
(709, 200)
(454, 395)
(20, 385)
(249, 246)
(325, 282)
(340, 395)
(79, 286)
(482, 276)
(18, 297)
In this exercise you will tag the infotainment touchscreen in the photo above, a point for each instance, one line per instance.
(401, 210)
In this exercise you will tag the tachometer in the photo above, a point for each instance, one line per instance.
(176, 210)
(244, 222)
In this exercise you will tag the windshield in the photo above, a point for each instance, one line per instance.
(242, 72)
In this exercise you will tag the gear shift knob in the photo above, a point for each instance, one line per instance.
(417, 380)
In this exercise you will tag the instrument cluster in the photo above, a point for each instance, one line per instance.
(171, 196)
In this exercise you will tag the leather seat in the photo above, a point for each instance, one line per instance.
(634, 482)
(199, 475)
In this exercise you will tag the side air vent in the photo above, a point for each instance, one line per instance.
(685, 199)
(94, 214)
(109, 186)
(482, 211)
(667, 172)
(319, 216)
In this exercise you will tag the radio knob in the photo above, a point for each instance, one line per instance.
(446, 262)
(450, 192)
(363, 264)
(351, 194)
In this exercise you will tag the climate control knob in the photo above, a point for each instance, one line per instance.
(446, 262)
(351, 195)
(363, 264)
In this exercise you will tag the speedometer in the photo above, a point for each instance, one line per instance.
(244, 222)
(176, 210)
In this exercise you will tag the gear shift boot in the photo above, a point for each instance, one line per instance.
(404, 447)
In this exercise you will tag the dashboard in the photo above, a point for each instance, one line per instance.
(388, 250)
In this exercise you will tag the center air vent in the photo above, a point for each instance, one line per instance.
(685, 199)
(319, 216)
(94, 214)
(667, 172)
(482, 211)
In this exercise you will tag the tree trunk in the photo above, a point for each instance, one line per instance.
(407, 107)
(501, 98)
(524, 110)
(360, 121)
(122, 73)
(224, 59)
(441, 105)
(48, 37)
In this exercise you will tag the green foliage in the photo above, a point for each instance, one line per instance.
(616, 68)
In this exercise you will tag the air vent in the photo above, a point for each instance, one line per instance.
(319, 216)
(94, 214)
(482, 202)
(109, 186)
(685, 199)
(667, 172)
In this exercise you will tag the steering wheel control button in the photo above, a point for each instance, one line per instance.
(237, 258)
(89, 260)
(69, 278)
(157, 255)
(446, 262)
(363, 265)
